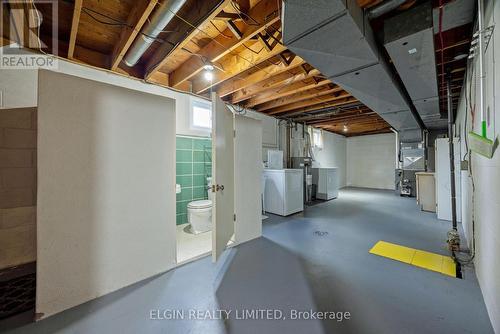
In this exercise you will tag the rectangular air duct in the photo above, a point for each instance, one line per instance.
(335, 37)
(409, 40)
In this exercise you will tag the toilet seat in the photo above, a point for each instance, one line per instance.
(202, 204)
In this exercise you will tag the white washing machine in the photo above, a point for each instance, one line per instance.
(284, 191)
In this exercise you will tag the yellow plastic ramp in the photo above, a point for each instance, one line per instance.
(419, 258)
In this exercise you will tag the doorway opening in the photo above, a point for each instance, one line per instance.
(193, 199)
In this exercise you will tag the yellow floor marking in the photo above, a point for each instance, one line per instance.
(449, 267)
(393, 251)
(415, 257)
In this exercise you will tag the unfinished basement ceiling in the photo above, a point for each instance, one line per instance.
(242, 40)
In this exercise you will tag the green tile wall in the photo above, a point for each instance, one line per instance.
(193, 166)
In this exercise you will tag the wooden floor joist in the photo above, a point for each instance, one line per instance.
(265, 12)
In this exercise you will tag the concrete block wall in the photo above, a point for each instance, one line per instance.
(17, 186)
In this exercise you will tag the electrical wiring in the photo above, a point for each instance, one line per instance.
(253, 51)
(90, 12)
(237, 7)
(220, 32)
(217, 42)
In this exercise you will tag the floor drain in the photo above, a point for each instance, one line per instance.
(320, 233)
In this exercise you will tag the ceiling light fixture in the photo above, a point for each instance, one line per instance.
(345, 128)
(209, 69)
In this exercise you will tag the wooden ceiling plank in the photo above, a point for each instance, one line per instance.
(224, 16)
(318, 103)
(275, 75)
(300, 111)
(153, 65)
(305, 95)
(234, 30)
(136, 19)
(281, 92)
(22, 34)
(236, 64)
(266, 12)
(74, 28)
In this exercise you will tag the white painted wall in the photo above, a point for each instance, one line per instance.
(18, 88)
(333, 154)
(484, 203)
(106, 189)
(371, 161)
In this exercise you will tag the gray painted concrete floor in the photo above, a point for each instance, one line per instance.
(314, 260)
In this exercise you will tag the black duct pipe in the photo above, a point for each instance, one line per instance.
(452, 153)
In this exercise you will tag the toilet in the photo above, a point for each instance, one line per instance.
(200, 213)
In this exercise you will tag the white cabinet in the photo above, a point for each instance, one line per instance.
(443, 180)
(327, 183)
(284, 191)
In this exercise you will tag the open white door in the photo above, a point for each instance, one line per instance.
(222, 176)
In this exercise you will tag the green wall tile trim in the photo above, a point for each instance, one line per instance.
(199, 180)
(185, 180)
(181, 219)
(184, 156)
(193, 165)
(201, 156)
(200, 144)
(199, 193)
(184, 168)
(184, 143)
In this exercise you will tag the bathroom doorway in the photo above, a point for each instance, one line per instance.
(193, 199)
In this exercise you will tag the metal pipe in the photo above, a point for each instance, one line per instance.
(161, 18)
(288, 139)
(384, 7)
(452, 154)
(482, 75)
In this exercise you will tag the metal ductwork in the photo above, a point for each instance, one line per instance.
(161, 18)
(335, 37)
(383, 8)
(409, 40)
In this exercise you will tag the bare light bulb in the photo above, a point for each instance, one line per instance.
(209, 75)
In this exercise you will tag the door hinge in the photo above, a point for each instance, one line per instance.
(234, 133)
(234, 217)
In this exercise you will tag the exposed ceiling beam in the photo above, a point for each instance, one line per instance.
(236, 64)
(284, 91)
(243, 85)
(159, 60)
(333, 114)
(18, 12)
(74, 28)
(275, 82)
(265, 12)
(323, 105)
(303, 99)
(136, 19)
(223, 16)
(315, 104)
(347, 118)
